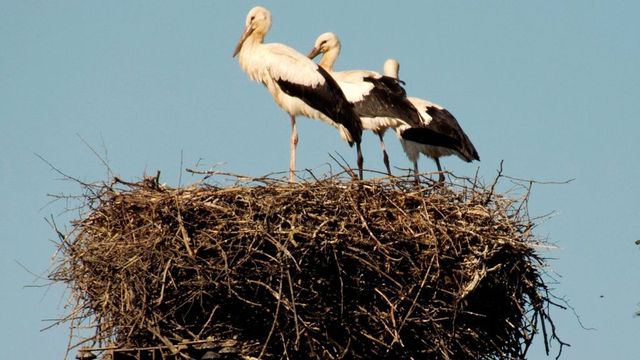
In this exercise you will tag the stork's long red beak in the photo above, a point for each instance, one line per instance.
(313, 53)
(245, 34)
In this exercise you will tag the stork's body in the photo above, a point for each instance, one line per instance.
(380, 101)
(439, 133)
(297, 84)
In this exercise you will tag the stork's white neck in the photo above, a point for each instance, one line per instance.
(254, 39)
(329, 58)
(391, 68)
(249, 58)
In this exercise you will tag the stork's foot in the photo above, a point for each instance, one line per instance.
(417, 180)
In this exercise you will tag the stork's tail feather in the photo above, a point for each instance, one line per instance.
(428, 136)
(354, 126)
(468, 150)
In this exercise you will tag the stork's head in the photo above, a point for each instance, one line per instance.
(391, 68)
(258, 22)
(325, 43)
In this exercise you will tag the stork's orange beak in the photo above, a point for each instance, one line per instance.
(313, 53)
(245, 34)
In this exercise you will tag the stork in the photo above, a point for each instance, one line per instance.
(297, 84)
(438, 135)
(380, 101)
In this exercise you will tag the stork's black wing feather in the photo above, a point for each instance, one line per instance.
(387, 98)
(329, 99)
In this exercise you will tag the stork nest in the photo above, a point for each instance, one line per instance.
(321, 269)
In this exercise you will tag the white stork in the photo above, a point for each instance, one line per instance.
(297, 84)
(438, 135)
(380, 101)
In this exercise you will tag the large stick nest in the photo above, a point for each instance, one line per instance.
(315, 270)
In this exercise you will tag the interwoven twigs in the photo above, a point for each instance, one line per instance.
(322, 269)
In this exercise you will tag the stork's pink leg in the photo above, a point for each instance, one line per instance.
(441, 177)
(360, 160)
(385, 157)
(294, 143)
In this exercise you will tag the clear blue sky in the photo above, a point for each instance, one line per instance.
(552, 88)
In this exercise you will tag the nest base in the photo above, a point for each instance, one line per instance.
(316, 270)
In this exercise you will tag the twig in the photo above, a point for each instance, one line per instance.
(275, 319)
